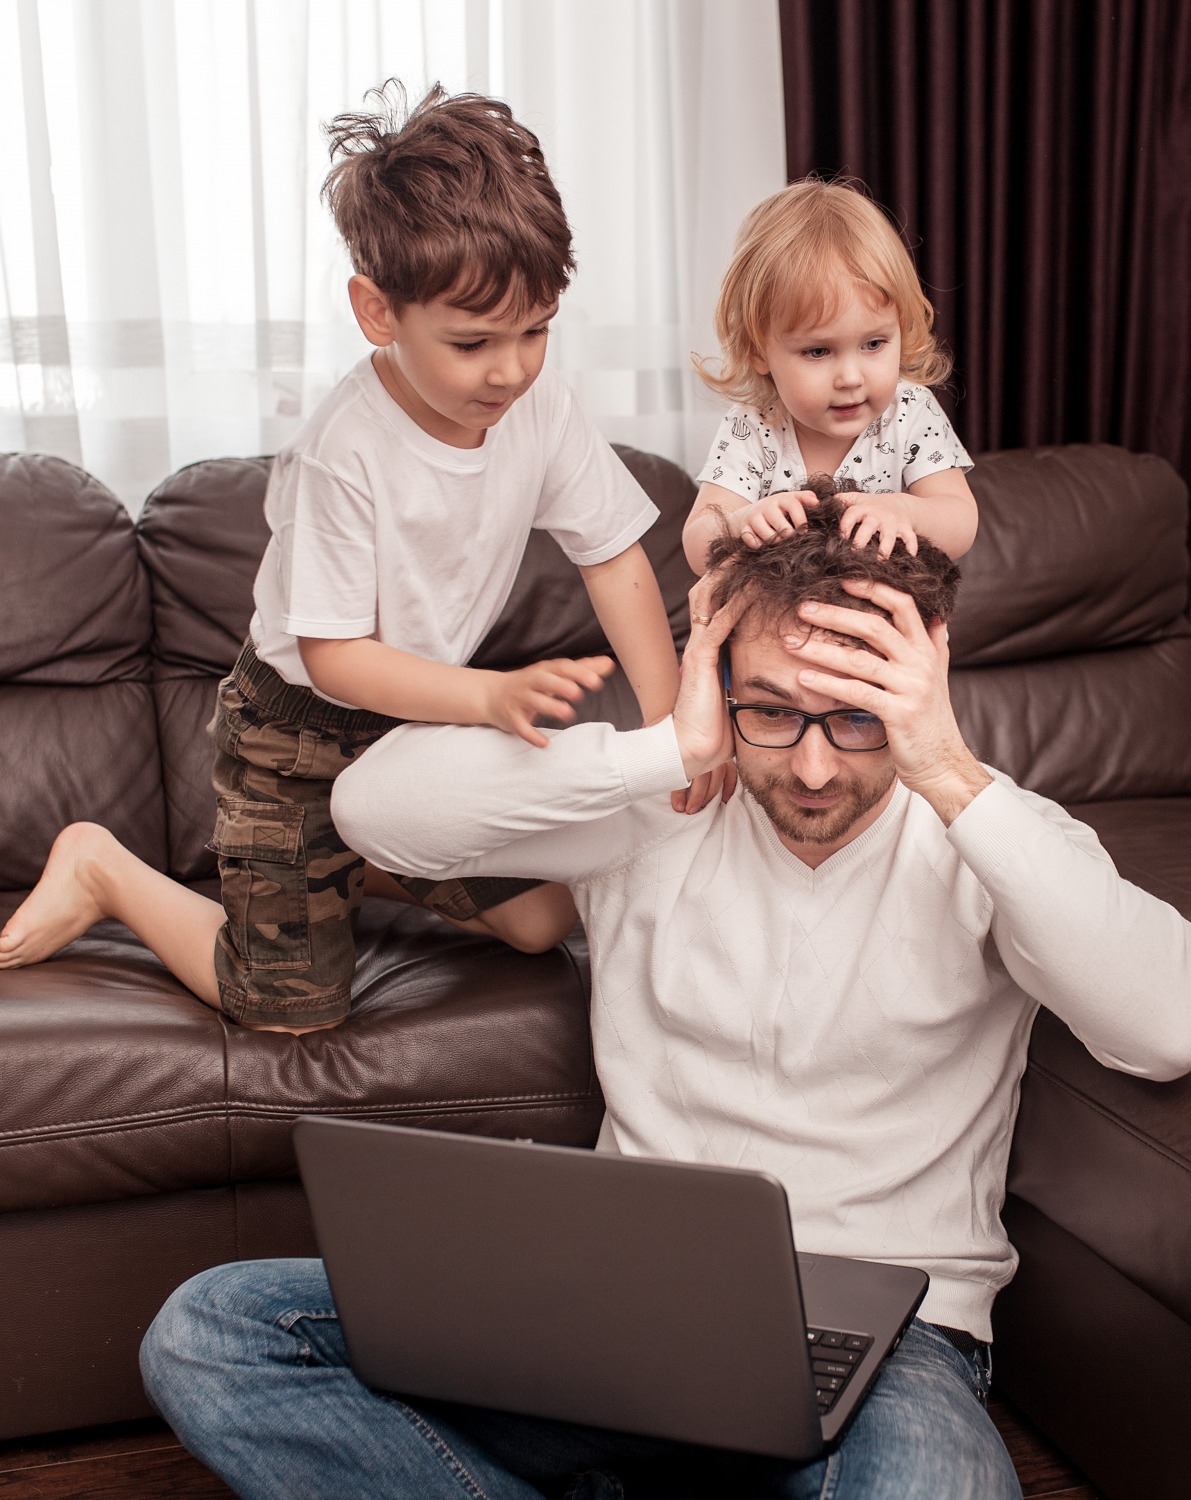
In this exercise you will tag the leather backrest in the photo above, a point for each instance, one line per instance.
(1071, 649)
(79, 730)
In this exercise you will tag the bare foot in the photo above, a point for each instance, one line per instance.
(61, 906)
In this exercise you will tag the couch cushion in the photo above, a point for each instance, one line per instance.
(1091, 725)
(201, 535)
(1103, 1154)
(80, 735)
(1080, 548)
(1071, 646)
(117, 1083)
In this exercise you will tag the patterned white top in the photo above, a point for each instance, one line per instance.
(756, 454)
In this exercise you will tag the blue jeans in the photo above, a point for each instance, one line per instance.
(247, 1364)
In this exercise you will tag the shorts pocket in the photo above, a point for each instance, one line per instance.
(262, 869)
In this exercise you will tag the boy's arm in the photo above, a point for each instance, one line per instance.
(370, 675)
(628, 604)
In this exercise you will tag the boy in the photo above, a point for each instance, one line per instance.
(367, 605)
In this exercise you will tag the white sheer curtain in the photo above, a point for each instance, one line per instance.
(171, 287)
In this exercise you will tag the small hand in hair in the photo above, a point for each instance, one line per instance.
(772, 519)
(886, 517)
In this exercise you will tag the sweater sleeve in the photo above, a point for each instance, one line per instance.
(1108, 958)
(457, 800)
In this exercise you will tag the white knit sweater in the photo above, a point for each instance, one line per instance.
(858, 1030)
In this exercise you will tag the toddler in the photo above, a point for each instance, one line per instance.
(829, 358)
(399, 516)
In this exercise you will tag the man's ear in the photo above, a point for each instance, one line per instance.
(374, 314)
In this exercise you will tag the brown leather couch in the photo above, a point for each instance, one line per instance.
(142, 1137)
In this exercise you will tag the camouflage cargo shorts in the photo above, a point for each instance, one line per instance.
(291, 887)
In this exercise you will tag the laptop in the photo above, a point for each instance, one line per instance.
(621, 1292)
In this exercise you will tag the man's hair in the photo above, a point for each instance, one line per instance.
(796, 255)
(814, 563)
(452, 197)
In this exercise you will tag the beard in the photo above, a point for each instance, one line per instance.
(815, 825)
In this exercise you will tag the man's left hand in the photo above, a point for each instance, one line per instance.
(905, 685)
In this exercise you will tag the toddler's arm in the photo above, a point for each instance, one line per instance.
(368, 674)
(628, 604)
(754, 522)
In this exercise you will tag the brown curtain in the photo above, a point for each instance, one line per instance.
(1038, 155)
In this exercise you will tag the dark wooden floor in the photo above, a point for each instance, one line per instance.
(144, 1461)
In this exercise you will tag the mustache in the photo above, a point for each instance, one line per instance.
(838, 785)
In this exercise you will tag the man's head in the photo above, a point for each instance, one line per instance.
(461, 250)
(817, 795)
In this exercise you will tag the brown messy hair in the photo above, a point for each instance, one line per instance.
(795, 256)
(451, 197)
(814, 563)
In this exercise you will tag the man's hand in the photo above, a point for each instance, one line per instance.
(719, 782)
(701, 721)
(547, 689)
(905, 686)
(887, 517)
(772, 519)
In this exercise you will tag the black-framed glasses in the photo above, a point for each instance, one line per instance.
(771, 727)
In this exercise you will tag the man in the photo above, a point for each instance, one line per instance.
(831, 977)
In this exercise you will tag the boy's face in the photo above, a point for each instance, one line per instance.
(838, 376)
(457, 373)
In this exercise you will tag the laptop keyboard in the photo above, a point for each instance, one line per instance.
(834, 1356)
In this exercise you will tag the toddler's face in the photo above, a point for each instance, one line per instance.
(457, 373)
(836, 377)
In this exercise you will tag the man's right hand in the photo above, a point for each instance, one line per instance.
(546, 689)
(701, 721)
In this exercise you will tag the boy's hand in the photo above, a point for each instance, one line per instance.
(772, 519)
(719, 782)
(885, 516)
(513, 700)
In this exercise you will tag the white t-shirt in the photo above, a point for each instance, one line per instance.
(756, 454)
(381, 530)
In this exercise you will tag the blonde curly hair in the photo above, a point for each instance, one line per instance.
(796, 256)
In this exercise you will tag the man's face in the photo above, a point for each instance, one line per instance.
(818, 798)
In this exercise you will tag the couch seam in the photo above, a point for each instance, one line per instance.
(228, 1109)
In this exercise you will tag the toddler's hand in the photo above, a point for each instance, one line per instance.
(772, 519)
(719, 782)
(544, 690)
(885, 516)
